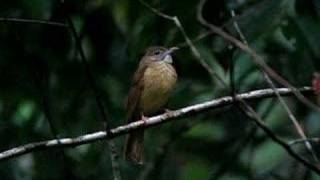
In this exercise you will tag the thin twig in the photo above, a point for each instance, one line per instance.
(237, 28)
(33, 21)
(114, 160)
(255, 57)
(297, 141)
(282, 102)
(192, 47)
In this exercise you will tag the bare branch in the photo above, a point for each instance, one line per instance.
(152, 121)
(297, 141)
(236, 26)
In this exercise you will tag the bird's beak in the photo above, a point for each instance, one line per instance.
(166, 55)
(171, 50)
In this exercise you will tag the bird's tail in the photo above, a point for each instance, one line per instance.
(134, 149)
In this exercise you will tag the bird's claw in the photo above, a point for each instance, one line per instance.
(169, 112)
(144, 119)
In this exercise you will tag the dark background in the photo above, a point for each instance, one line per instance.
(42, 76)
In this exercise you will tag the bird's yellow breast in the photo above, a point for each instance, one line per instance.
(159, 81)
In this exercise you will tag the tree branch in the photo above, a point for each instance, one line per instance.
(297, 141)
(152, 121)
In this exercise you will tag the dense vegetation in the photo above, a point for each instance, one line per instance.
(42, 77)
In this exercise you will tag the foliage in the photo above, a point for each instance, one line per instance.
(42, 76)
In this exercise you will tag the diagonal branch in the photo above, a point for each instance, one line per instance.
(153, 121)
(297, 141)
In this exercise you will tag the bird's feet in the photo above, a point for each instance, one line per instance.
(144, 119)
(168, 112)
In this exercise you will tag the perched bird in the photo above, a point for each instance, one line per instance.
(152, 85)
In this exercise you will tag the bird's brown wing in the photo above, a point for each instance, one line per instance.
(133, 149)
(132, 104)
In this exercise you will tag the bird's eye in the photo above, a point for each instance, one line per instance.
(157, 52)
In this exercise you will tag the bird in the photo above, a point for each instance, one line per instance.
(152, 84)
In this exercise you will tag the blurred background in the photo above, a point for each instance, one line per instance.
(42, 76)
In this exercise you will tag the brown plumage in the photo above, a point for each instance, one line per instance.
(152, 84)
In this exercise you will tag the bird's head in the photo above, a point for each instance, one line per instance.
(158, 53)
